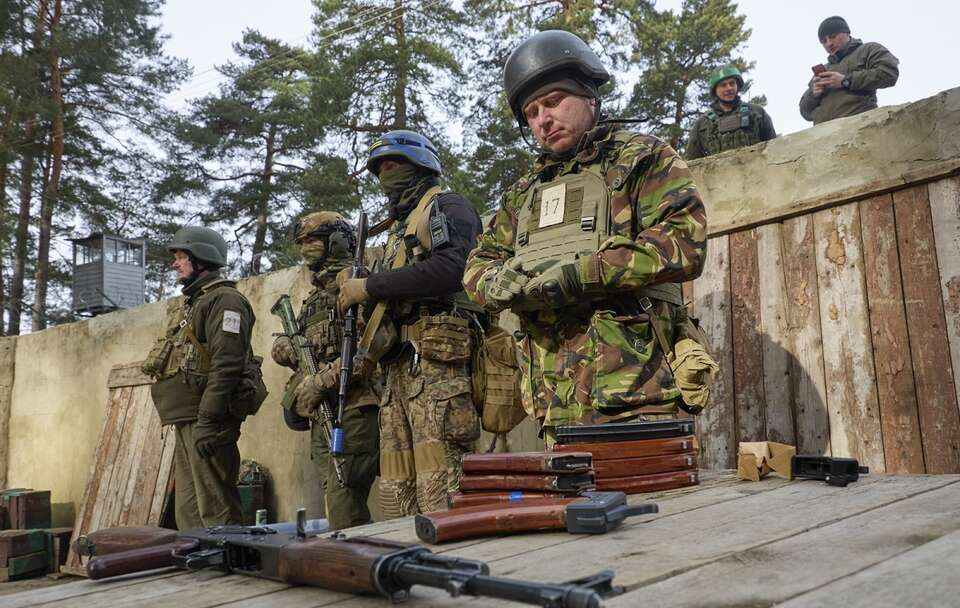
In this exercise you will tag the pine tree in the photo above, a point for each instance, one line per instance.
(676, 53)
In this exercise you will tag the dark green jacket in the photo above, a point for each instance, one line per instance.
(718, 130)
(869, 65)
(222, 320)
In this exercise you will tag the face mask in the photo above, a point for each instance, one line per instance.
(313, 252)
(397, 179)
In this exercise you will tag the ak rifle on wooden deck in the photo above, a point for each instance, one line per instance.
(359, 565)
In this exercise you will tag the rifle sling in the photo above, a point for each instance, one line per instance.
(398, 262)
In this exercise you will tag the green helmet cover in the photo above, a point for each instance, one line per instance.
(723, 73)
(205, 244)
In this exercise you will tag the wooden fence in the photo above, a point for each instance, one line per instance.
(839, 331)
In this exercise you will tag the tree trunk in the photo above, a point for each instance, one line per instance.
(27, 164)
(400, 88)
(4, 222)
(263, 205)
(52, 187)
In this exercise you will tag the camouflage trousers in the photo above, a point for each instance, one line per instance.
(347, 506)
(206, 488)
(427, 423)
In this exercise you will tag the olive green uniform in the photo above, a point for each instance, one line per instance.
(346, 505)
(720, 129)
(870, 66)
(198, 364)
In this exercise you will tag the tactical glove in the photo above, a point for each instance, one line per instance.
(284, 353)
(557, 286)
(353, 291)
(313, 389)
(504, 285)
(205, 437)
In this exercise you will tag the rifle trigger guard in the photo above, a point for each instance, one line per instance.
(198, 560)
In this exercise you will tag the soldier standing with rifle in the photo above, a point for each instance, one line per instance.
(427, 416)
(328, 245)
(590, 248)
(202, 382)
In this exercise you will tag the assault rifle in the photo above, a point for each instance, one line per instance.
(359, 565)
(588, 513)
(307, 367)
(348, 349)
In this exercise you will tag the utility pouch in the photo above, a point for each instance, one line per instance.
(251, 391)
(444, 338)
(496, 382)
(156, 361)
(694, 369)
(730, 122)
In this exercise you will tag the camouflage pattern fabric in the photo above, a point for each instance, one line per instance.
(427, 423)
(599, 361)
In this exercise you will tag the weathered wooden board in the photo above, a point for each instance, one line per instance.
(808, 385)
(896, 391)
(929, 347)
(945, 213)
(776, 339)
(847, 349)
(716, 426)
(831, 552)
(132, 466)
(747, 339)
(924, 576)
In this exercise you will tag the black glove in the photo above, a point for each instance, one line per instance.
(206, 435)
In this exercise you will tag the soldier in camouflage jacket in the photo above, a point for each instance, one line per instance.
(590, 265)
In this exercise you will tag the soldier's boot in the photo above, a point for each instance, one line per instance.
(398, 497)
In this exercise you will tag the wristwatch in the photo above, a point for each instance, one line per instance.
(846, 83)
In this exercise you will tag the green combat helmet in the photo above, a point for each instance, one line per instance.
(204, 244)
(722, 74)
(338, 236)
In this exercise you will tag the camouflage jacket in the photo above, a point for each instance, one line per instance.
(600, 362)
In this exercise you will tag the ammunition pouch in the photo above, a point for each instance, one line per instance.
(156, 361)
(440, 338)
(496, 382)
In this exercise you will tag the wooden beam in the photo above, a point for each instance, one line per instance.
(747, 339)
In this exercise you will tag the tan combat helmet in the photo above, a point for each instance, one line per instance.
(338, 235)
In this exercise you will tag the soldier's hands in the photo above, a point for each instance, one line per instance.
(353, 291)
(829, 80)
(505, 285)
(284, 353)
(312, 390)
(558, 285)
(205, 433)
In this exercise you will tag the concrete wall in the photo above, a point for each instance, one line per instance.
(58, 393)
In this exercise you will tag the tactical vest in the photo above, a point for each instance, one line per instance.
(574, 220)
(405, 311)
(319, 324)
(732, 130)
(184, 351)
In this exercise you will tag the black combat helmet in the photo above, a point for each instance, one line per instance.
(548, 56)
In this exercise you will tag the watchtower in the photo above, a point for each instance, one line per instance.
(108, 273)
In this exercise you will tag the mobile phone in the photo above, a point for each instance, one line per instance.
(819, 69)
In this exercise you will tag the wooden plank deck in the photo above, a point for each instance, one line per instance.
(885, 540)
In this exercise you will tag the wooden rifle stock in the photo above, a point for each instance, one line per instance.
(138, 560)
(113, 540)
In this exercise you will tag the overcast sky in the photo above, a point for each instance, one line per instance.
(784, 42)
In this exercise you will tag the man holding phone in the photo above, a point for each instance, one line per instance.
(848, 83)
